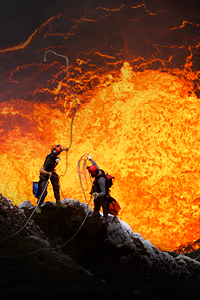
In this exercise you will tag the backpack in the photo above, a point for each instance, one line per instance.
(36, 189)
(109, 180)
(113, 206)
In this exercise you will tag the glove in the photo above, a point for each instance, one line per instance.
(89, 157)
(95, 195)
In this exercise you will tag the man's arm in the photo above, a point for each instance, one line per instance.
(46, 166)
(43, 172)
(94, 163)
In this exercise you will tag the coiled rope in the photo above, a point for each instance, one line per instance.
(81, 169)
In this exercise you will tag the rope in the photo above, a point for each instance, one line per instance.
(75, 99)
(69, 83)
(83, 159)
(53, 248)
(30, 215)
(71, 132)
(71, 136)
(66, 202)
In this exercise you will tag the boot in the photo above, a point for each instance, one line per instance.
(38, 210)
(94, 214)
(104, 220)
(60, 204)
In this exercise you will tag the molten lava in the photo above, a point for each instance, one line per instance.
(143, 128)
(138, 117)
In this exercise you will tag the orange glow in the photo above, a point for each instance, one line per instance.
(141, 127)
(139, 124)
(31, 37)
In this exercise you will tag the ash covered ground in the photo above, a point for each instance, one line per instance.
(110, 261)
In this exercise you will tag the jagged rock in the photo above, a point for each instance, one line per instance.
(120, 234)
(26, 204)
(112, 253)
(13, 217)
(38, 240)
(117, 242)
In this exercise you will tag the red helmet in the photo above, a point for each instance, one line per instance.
(56, 149)
(93, 170)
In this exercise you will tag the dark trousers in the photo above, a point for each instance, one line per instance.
(98, 202)
(56, 188)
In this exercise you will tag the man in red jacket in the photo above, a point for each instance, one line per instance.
(99, 191)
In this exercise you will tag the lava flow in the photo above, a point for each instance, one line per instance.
(139, 123)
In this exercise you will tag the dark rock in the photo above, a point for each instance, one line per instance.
(104, 258)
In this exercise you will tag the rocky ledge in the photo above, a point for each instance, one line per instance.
(61, 250)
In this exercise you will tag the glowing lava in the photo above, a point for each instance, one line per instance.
(143, 128)
(135, 72)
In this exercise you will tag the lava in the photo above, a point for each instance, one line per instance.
(138, 117)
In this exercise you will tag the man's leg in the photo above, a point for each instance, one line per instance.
(56, 190)
(96, 205)
(104, 203)
(56, 187)
(43, 185)
(96, 208)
